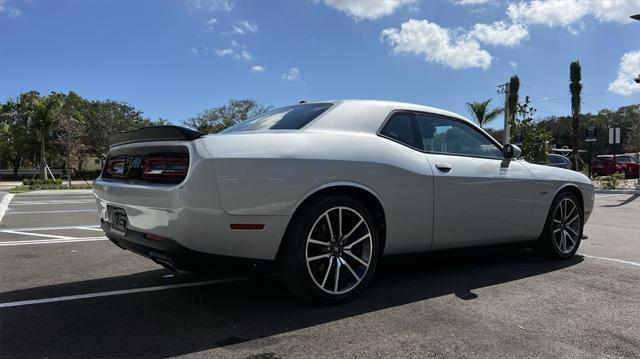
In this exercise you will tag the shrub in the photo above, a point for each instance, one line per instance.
(37, 181)
(610, 181)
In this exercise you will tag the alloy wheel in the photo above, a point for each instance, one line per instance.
(338, 250)
(566, 226)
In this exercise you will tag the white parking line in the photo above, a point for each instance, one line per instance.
(117, 292)
(38, 234)
(49, 202)
(52, 228)
(4, 204)
(40, 212)
(52, 241)
(636, 264)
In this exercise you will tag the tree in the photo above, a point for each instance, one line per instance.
(217, 119)
(481, 112)
(161, 122)
(535, 140)
(70, 130)
(105, 118)
(575, 87)
(14, 135)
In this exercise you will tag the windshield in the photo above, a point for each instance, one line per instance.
(283, 118)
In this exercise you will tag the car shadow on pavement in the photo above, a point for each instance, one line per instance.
(187, 320)
(625, 202)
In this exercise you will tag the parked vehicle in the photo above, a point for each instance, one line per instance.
(625, 165)
(559, 161)
(325, 189)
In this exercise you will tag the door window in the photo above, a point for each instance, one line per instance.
(443, 135)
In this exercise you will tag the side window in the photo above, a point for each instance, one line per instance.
(400, 128)
(445, 135)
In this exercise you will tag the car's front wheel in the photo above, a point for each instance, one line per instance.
(563, 231)
(331, 250)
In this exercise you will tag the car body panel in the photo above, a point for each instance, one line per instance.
(263, 177)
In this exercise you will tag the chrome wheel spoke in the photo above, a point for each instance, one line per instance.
(567, 235)
(353, 229)
(357, 241)
(337, 279)
(572, 219)
(326, 275)
(340, 222)
(326, 215)
(315, 258)
(350, 269)
(321, 243)
(572, 231)
(348, 252)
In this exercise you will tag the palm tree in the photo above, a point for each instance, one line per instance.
(575, 87)
(482, 113)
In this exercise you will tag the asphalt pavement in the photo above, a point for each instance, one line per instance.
(66, 291)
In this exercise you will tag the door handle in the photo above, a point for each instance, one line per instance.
(444, 167)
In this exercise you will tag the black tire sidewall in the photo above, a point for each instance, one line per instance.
(296, 274)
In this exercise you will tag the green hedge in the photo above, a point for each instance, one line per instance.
(36, 187)
(33, 182)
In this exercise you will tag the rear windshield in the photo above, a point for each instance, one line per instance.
(283, 118)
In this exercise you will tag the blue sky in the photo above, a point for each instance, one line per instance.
(174, 58)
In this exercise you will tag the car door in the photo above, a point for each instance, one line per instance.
(479, 197)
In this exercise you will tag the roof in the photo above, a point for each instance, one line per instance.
(368, 115)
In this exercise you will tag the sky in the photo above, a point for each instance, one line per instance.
(174, 58)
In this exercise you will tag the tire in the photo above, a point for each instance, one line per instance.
(562, 232)
(311, 257)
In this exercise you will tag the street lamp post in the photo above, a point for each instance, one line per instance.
(637, 80)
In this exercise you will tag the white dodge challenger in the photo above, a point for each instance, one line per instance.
(324, 189)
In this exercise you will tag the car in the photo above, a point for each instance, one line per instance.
(625, 165)
(558, 161)
(324, 189)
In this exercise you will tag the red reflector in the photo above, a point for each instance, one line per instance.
(253, 226)
(152, 237)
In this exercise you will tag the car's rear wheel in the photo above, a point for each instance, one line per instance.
(563, 230)
(331, 250)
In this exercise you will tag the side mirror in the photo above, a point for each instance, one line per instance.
(511, 151)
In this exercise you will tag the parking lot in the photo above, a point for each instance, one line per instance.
(66, 291)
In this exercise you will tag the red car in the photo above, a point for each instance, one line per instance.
(603, 166)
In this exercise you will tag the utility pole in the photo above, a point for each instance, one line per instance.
(637, 80)
(505, 89)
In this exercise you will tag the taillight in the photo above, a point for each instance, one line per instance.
(116, 167)
(167, 166)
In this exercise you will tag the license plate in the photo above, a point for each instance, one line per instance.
(119, 222)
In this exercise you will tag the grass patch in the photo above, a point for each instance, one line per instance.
(40, 187)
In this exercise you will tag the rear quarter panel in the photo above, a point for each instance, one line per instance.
(272, 172)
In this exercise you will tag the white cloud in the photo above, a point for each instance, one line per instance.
(243, 27)
(436, 44)
(194, 51)
(567, 12)
(258, 68)
(224, 52)
(471, 2)
(367, 9)
(210, 5)
(500, 33)
(513, 64)
(9, 10)
(238, 53)
(292, 74)
(210, 24)
(628, 70)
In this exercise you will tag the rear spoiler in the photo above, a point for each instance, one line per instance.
(155, 133)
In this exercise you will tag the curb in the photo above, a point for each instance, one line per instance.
(4, 204)
(617, 191)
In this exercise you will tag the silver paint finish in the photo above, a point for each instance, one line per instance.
(264, 176)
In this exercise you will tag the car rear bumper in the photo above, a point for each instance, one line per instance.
(172, 255)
